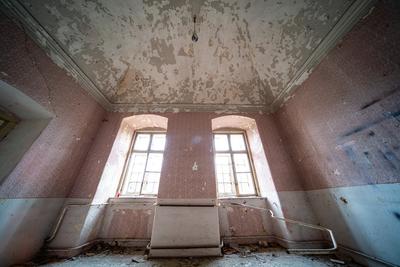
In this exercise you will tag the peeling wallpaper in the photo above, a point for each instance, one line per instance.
(142, 52)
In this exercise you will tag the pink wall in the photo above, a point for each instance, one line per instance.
(93, 165)
(189, 140)
(280, 161)
(34, 192)
(49, 168)
(342, 126)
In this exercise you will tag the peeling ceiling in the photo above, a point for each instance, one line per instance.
(141, 52)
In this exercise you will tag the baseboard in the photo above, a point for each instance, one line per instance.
(134, 243)
(360, 257)
(285, 243)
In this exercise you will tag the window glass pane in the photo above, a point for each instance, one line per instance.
(134, 188)
(241, 162)
(226, 189)
(134, 174)
(224, 171)
(158, 142)
(150, 183)
(142, 142)
(245, 183)
(237, 142)
(221, 142)
(136, 167)
(154, 162)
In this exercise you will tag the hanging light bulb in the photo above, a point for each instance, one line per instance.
(195, 37)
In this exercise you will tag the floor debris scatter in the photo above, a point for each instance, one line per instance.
(234, 255)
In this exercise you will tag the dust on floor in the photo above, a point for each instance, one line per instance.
(236, 256)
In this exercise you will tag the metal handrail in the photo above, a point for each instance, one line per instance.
(313, 226)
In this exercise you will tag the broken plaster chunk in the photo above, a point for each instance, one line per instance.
(337, 261)
(195, 166)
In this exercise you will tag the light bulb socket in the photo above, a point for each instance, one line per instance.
(195, 37)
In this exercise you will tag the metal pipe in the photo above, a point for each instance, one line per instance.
(64, 211)
(73, 248)
(298, 250)
(61, 218)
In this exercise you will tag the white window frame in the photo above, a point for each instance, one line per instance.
(231, 152)
(124, 178)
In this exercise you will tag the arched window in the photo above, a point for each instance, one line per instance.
(134, 165)
(240, 163)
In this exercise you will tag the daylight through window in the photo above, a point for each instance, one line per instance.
(143, 166)
(235, 176)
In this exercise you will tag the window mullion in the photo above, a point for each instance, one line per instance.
(145, 166)
(252, 167)
(233, 165)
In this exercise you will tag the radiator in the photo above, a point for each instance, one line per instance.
(185, 228)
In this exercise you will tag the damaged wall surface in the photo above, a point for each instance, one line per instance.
(342, 129)
(32, 195)
(141, 52)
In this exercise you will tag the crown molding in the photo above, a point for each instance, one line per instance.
(178, 107)
(353, 14)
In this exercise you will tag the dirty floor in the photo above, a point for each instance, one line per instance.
(247, 256)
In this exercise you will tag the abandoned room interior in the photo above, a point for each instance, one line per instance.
(200, 133)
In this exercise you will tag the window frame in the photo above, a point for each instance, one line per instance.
(231, 153)
(128, 159)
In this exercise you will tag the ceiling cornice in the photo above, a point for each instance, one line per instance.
(39, 34)
(166, 107)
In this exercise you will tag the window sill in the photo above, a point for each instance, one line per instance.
(131, 199)
(240, 198)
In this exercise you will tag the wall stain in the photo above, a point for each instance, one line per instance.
(396, 215)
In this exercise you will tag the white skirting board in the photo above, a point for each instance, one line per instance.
(185, 231)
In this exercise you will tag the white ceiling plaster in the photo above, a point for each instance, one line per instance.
(140, 53)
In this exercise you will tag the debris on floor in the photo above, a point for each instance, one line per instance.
(234, 256)
(337, 261)
(138, 259)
